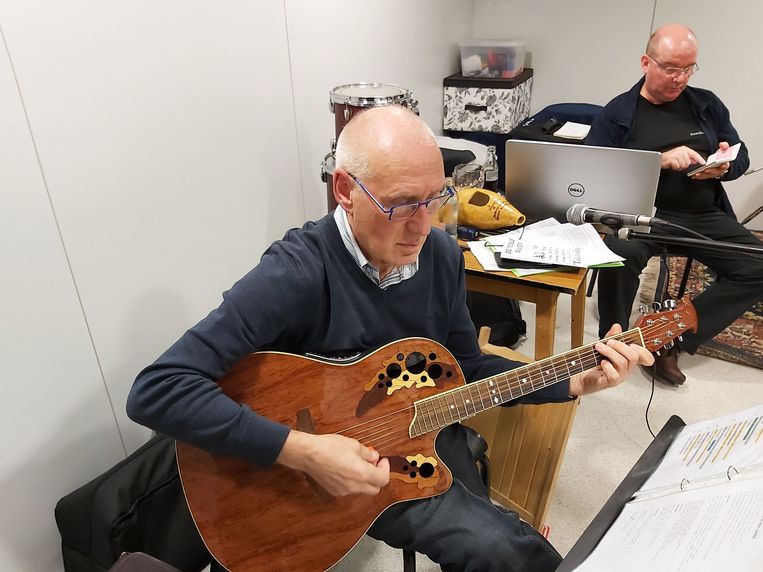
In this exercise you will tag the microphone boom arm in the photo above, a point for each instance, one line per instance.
(630, 234)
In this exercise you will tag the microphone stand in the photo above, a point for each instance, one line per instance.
(665, 239)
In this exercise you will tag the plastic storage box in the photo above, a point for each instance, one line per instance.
(492, 59)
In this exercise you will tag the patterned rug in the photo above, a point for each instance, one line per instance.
(742, 341)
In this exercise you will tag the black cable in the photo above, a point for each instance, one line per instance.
(646, 411)
(683, 228)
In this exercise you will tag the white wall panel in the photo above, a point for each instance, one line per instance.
(412, 44)
(730, 48)
(57, 425)
(576, 49)
(166, 132)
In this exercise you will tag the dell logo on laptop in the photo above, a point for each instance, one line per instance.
(576, 190)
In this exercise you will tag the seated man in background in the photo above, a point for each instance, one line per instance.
(369, 273)
(662, 113)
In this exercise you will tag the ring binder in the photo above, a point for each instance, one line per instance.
(706, 490)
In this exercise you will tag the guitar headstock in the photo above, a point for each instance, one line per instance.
(672, 319)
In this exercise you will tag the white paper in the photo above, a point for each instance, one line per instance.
(565, 245)
(484, 250)
(485, 255)
(703, 530)
(572, 130)
(720, 448)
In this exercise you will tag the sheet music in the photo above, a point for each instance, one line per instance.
(565, 244)
(721, 447)
(702, 530)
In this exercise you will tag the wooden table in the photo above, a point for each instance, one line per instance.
(542, 290)
(527, 442)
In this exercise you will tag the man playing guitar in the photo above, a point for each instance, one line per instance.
(371, 272)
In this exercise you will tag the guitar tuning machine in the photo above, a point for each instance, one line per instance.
(669, 304)
(644, 309)
(656, 306)
(669, 345)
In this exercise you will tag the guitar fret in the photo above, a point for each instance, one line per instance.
(425, 415)
(471, 398)
(479, 386)
(494, 399)
(452, 408)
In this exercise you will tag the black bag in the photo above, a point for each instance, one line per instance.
(136, 506)
(543, 125)
(503, 315)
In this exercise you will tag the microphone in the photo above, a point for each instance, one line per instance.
(581, 214)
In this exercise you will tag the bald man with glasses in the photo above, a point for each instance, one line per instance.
(372, 272)
(686, 124)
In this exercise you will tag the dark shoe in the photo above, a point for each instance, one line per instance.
(666, 368)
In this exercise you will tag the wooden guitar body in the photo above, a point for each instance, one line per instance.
(395, 400)
(275, 518)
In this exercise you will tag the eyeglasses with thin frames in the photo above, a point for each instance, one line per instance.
(402, 212)
(674, 71)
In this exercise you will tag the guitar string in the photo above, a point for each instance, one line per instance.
(444, 412)
(388, 438)
(401, 435)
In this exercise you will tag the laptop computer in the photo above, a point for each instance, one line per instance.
(545, 179)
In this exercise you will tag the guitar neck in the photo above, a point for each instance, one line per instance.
(458, 404)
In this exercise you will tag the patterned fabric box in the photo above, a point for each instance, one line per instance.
(486, 104)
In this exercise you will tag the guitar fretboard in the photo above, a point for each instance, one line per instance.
(458, 404)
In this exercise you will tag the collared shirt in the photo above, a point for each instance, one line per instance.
(395, 276)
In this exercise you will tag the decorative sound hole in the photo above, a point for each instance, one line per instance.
(394, 370)
(426, 470)
(415, 362)
(435, 371)
(399, 357)
(432, 356)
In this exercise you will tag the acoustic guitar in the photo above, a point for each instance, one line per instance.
(396, 400)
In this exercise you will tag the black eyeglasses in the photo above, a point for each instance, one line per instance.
(673, 71)
(402, 212)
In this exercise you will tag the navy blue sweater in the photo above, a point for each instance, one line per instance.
(307, 294)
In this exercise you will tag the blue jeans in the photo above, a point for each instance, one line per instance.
(461, 529)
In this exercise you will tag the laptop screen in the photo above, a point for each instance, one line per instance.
(545, 179)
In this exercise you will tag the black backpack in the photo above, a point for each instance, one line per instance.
(136, 506)
(503, 315)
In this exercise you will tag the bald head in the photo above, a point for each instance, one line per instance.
(669, 62)
(671, 37)
(381, 138)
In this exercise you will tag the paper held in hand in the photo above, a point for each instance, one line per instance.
(717, 158)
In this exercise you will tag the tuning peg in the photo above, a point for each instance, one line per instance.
(680, 338)
(643, 308)
(669, 345)
(669, 304)
(656, 306)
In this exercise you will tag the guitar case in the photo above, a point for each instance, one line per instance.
(136, 506)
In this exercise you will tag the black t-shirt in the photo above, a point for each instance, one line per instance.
(664, 127)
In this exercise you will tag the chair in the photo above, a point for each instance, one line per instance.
(478, 448)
